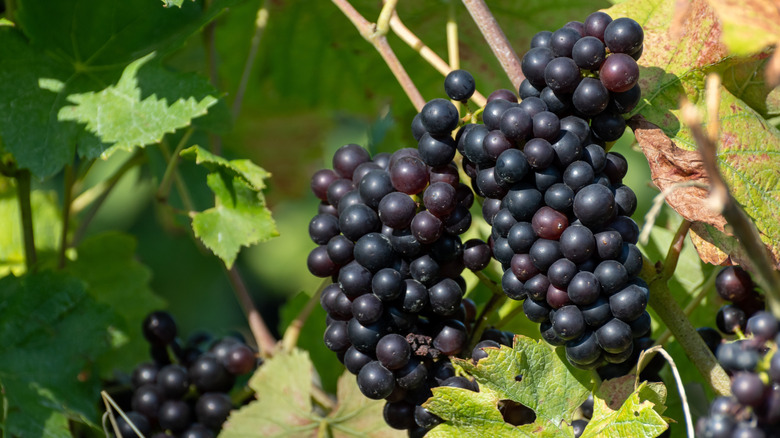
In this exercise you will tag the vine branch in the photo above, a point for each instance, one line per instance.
(376, 34)
(261, 21)
(23, 194)
(293, 331)
(265, 340)
(66, 202)
(721, 199)
(496, 39)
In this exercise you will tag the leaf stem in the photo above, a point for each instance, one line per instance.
(680, 387)
(721, 199)
(496, 39)
(426, 53)
(293, 331)
(66, 205)
(23, 193)
(170, 170)
(263, 337)
(373, 35)
(98, 194)
(261, 21)
(664, 304)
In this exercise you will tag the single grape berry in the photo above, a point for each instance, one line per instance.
(734, 284)
(459, 85)
(439, 117)
(375, 381)
(619, 73)
(212, 409)
(159, 328)
(624, 35)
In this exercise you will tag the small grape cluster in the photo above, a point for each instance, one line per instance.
(388, 231)
(752, 361)
(588, 69)
(188, 398)
(559, 212)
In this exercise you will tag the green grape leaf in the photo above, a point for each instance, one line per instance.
(119, 116)
(240, 218)
(107, 265)
(248, 171)
(749, 26)
(619, 411)
(169, 3)
(50, 334)
(673, 65)
(538, 364)
(46, 226)
(68, 47)
(283, 386)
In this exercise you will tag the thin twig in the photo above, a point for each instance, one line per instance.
(66, 202)
(261, 21)
(426, 53)
(170, 170)
(496, 39)
(97, 195)
(723, 202)
(658, 203)
(675, 248)
(293, 331)
(377, 39)
(23, 188)
(263, 337)
(677, 378)
(107, 399)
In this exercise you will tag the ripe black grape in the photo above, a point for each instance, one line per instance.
(562, 75)
(535, 62)
(439, 117)
(624, 35)
(375, 381)
(459, 85)
(590, 97)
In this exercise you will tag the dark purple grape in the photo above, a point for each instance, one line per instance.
(584, 288)
(626, 101)
(589, 53)
(493, 112)
(627, 228)
(615, 336)
(479, 352)
(629, 303)
(512, 286)
(511, 166)
(320, 263)
(322, 228)
(439, 117)
(489, 185)
(173, 381)
(576, 25)
(562, 75)
(576, 126)
(452, 338)
(459, 85)
(730, 318)
(147, 400)
(762, 325)
(445, 297)
(537, 286)
(532, 106)
(609, 244)
(363, 170)
(584, 350)
(415, 296)
(568, 322)
(544, 252)
(596, 24)
(503, 221)
(409, 175)
(625, 199)
(212, 409)
(568, 149)
(578, 243)
(440, 199)
(578, 427)
(608, 126)
(473, 142)
(527, 90)
(546, 178)
(534, 63)
(558, 104)
(374, 186)
(557, 297)
(560, 197)
(367, 309)
(375, 381)
(399, 415)
(347, 158)
(624, 35)
(320, 182)
(578, 175)
(539, 153)
(561, 273)
(734, 284)
(159, 328)
(590, 97)
(536, 311)
(138, 419)
(548, 334)
(143, 374)
(502, 93)
(358, 220)
(436, 150)
(595, 155)
(412, 375)
(393, 352)
(365, 337)
(354, 360)
(522, 200)
(549, 224)
(426, 227)
(515, 124)
(619, 73)
(336, 337)
(546, 125)
(594, 205)
(339, 250)
(541, 39)
(563, 40)
(748, 389)
(175, 415)
(615, 167)
(417, 128)
(490, 207)
(597, 314)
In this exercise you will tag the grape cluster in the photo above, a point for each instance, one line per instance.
(559, 212)
(187, 398)
(587, 69)
(752, 362)
(388, 231)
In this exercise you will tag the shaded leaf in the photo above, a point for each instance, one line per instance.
(619, 411)
(538, 364)
(50, 332)
(356, 415)
(749, 26)
(107, 265)
(120, 117)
